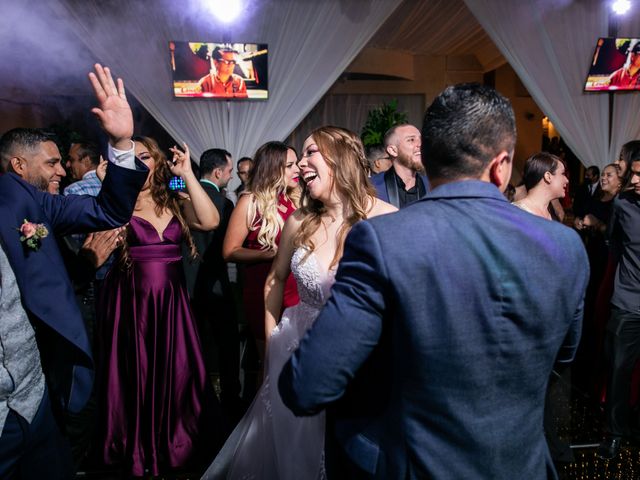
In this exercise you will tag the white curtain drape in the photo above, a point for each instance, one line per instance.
(550, 46)
(350, 111)
(310, 44)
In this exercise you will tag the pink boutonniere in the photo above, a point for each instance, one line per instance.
(31, 234)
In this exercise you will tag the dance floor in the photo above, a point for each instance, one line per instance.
(578, 420)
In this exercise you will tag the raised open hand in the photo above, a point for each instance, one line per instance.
(113, 110)
(180, 164)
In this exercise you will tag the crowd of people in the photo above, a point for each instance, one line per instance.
(405, 314)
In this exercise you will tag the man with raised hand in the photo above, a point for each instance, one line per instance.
(45, 358)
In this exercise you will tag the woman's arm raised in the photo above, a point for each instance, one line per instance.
(199, 210)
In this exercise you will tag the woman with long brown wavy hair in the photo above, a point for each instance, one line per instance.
(151, 373)
(253, 234)
(270, 442)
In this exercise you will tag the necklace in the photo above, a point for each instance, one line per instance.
(534, 210)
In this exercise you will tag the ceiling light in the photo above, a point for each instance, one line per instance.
(620, 7)
(226, 10)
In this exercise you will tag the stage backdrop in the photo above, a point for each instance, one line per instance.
(310, 44)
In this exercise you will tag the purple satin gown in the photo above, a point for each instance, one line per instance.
(156, 404)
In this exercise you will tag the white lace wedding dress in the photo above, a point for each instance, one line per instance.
(270, 442)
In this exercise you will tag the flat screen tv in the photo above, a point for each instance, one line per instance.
(615, 65)
(219, 70)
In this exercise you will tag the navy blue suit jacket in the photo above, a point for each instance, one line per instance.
(47, 295)
(463, 302)
(379, 182)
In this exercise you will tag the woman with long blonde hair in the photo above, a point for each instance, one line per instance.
(270, 442)
(253, 234)
(151, 375)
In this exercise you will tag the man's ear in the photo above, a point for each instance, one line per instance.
(392, 151)
(500, 170)
(18, 165)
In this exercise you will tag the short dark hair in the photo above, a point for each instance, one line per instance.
(374, 152)
(594, 170)
(465, 127)
(17, 140)
(88, 150)
(536, 166)
(212, 159)
(218, 51)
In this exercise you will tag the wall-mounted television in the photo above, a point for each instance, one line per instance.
(219, 70)
(615, 65)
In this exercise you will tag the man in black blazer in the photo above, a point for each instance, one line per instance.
(461, 301)
(586, 191)
(212, 295)
(404, 182)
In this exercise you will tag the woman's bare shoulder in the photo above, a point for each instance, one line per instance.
(378, 207)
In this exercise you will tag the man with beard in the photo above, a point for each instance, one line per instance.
(403, 183)
(43, 335)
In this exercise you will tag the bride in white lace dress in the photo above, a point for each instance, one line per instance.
(270, 443)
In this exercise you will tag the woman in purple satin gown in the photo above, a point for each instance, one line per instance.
(157, 404)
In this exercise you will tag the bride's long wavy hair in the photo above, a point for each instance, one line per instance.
(163, 198)
(344, 153)
(265, 184)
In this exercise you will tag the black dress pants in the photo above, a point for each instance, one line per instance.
(622, 348)
(36, 450)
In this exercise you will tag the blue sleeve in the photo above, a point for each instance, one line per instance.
(346, 331)
(111, 208)
(572, 339)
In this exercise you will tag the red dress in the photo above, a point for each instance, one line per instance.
(255, 275)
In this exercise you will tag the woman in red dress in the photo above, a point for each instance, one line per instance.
(254, 229)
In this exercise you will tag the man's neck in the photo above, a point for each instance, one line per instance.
(210, 181)
(407, 175)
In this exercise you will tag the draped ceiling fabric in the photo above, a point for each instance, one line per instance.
(438, 27)
(310, 44)
(626, 105)
(550, 46)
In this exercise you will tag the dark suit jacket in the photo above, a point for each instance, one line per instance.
(47, 294)
(582, 198)
(210, 269)
(387, 188)
(471, 300)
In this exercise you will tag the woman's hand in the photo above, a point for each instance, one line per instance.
(101, 171)
(591, 222)
(180, 164)
(578, 223)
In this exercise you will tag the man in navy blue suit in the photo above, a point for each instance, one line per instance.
(45, 358)
(403, 183)
(445, 319)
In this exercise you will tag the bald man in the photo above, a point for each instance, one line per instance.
(403, 183)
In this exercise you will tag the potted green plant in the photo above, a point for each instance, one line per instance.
(379, 120)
